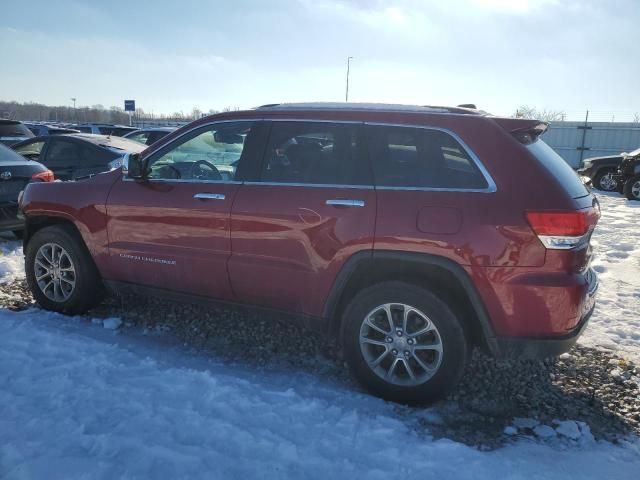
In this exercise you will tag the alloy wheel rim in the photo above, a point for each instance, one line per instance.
(635, 189)
(55, 272)
(400, 344)
(608, 183)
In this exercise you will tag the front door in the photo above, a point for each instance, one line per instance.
(171, 230)
(310, 209)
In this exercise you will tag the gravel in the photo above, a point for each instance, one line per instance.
(583, 395)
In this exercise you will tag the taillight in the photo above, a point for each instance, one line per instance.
(46, 176)
(563, 230)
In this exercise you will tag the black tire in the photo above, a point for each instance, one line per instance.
(630, 186)
(455, 347)
(598, 178)
(88, 290)
(19, 234)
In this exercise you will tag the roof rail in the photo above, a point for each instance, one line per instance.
(380, 107)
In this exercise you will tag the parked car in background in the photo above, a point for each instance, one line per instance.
(602, 171)
(43, 129)
(16, 172)
(77, 155)
(150, 135)
(628, 175)
(104, 129)
(406, 232)
(13, 131)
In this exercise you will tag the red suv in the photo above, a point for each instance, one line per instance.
(412, 234)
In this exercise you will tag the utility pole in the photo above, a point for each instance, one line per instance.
(346, 95)
(75, 114)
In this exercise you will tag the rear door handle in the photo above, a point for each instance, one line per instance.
(345, 203)
(209, 196)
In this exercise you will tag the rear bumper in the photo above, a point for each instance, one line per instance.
(9, 218)
(545, 347)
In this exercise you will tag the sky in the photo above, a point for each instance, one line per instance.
(172, 56)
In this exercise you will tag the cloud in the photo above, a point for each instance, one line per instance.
(551, 54)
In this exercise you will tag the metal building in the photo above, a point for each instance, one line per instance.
(576, 141)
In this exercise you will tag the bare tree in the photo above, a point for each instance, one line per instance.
(545, 115)
(636, 117)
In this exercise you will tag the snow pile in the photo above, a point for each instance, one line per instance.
(78, 402)
(570, 430)
(11, 261)
(615, 324)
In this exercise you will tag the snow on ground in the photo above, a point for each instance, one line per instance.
(11, 261)
(81, 401)
(615, 324)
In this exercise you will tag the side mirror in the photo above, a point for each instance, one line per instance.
(132, 165)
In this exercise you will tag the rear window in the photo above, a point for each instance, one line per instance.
(14, 129)
(558, 168)
(116, 131)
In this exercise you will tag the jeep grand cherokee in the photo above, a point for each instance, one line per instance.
(406, 232)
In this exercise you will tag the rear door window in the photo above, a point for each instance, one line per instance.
(315, 153)
(422, 158)
(558, 168)
(63, 153)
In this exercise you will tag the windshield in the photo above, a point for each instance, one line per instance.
(558, 168)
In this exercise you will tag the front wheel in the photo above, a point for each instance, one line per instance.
(403, 343)
(604, 180)
(632, 188)
(60, 271)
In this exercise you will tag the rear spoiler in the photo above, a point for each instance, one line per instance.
(524, 130)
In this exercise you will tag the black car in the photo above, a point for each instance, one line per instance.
(39, 129)
(15, 172)
(13, 131)
(147, 136)
(628, 175)
(601, 171)
(78, 155)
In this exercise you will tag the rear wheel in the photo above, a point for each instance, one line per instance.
(632, 188)
(403, 343)
(60, 272)
(604, 180)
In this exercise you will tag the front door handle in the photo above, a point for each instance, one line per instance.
(345, 203)
(209, 196)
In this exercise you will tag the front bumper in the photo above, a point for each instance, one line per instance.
(545, 347)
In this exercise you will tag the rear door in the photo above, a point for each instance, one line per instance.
(311, 206)
(172, 230)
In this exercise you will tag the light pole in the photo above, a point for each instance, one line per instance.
(75, 116)
(346, 95)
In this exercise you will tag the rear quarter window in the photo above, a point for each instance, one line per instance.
(422, 158)
(557, 167)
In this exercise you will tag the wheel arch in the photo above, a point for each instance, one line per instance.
(34, 223)
(438, 274)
